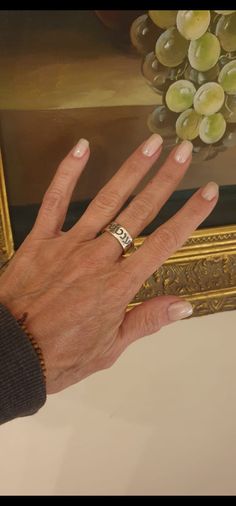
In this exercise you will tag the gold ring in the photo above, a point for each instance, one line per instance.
(121, 234)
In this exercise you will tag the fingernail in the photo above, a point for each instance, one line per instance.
(152, 145)
(81, 148)
(183, 151)
(210, 191)
(180, 310)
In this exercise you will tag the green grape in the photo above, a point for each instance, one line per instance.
(229, 139)
(171, 48)
(201, 151)
(177, 72)
(227, 77)
(214, 20)
(193, 24)
(225, 13)
(223, 60)
(187, 125)
(230, 103)
(163, 19)
(209, 75)
(201, 77)
(161, 121)
(191, 74)
(209, 99)
(179, 96)
(229, 116)
(229, 109)
(156, 74)
(204, 53)
(171, 141)
(212, 128)
(144, 34)
(226, 32)
(150, 67)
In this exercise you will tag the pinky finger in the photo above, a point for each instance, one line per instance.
(150, 317)
(170, 236)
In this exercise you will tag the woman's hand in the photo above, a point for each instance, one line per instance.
(76, 285)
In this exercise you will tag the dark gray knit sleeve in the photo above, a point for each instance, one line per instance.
(22, 386)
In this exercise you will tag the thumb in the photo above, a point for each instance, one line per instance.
(151, 315)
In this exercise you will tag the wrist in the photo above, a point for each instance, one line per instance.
(23, 390)
(23, 324)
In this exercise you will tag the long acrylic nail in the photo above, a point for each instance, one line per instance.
(152, 145)
(183, 152)
(81, 148)
(210, 191)
(180, 310)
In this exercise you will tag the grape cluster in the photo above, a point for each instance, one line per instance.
(189, 58)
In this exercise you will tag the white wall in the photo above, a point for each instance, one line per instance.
(162, 421)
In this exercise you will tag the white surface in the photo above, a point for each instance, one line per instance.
(161, 421)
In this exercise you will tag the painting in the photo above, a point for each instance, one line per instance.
(100, 75)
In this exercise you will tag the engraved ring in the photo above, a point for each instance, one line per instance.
(121, 234)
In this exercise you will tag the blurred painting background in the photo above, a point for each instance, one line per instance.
(66, 75)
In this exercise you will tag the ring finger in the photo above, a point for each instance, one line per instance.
(146, 205)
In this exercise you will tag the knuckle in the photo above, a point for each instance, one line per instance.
(140, 209)
(107, 202)
(66, 164)
(165, 240)
(150, 322)
(195, 208)
(52, 199)
(168, 176)
(66, 167)
(127, 282)
(134, 164)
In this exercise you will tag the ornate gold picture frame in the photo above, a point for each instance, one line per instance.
(44, 95)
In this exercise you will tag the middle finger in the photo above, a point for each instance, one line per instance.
(109, 200)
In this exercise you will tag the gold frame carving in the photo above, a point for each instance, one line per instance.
(6, 238)
(203, 271)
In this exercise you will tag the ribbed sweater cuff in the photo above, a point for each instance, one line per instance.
(22, 386)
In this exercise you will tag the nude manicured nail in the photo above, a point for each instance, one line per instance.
(152, 145)
(210, 191)
(81, 148)
(183, 152)
(180, 310)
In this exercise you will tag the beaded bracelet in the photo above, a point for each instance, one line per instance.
(21, 322)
